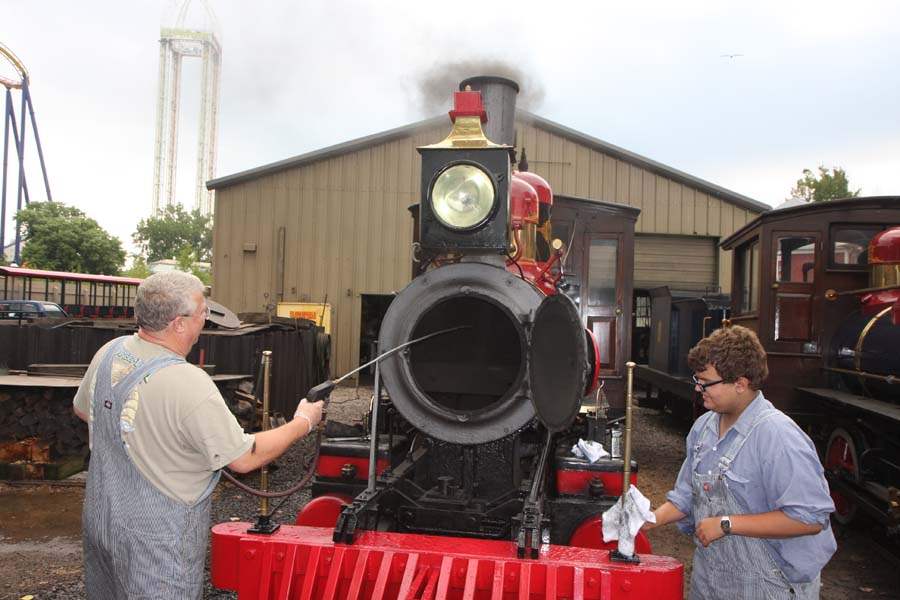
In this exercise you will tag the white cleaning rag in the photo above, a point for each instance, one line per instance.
(623, 524)
(589, 449)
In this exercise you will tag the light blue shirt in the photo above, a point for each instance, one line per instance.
(777, 469)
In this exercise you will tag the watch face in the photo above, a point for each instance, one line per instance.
(726, 524)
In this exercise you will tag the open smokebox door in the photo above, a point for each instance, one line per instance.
(221, 316)
(559, 362)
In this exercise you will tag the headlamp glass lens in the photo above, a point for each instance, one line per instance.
(462, 197)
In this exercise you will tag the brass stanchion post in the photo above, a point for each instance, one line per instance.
(264, 522)
(615, 555)
(629, 401)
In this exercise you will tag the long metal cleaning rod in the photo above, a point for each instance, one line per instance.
(396, 349)
(373, 445)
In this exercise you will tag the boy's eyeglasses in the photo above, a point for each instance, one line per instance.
(702, 385)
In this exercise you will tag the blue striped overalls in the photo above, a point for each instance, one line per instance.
(138, 542)
(735, 566)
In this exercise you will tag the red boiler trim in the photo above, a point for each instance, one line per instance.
(523, 202)
(576, 482)
(595, 375)
(302, 563)
(885, 247)
(330, 466)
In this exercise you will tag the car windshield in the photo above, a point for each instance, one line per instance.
(53, 310)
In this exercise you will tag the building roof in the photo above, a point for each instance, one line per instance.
(546, 124)
(871, 203)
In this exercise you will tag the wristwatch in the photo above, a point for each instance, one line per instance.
(726, 524)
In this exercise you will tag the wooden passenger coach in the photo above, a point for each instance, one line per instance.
(785, 262)
(820, 284)
(80, 294)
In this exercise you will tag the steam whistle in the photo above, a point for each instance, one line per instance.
(615, 555)
(264, 523)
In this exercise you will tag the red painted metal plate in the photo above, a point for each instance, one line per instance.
(304, 563)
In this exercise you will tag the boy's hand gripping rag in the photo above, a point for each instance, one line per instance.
(625, 518)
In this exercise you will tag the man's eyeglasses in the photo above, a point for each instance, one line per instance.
(702, 385)
(206, 313)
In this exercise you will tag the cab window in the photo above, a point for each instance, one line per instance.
(795, 259)
(850, 244)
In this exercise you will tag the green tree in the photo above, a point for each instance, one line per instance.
(165, 234)
(187, 260)
(62, 238)
(139, 268)
(831, 184)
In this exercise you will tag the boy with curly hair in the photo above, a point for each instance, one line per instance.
(751, 489)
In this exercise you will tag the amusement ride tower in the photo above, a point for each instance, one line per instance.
(14, 76)
(176, 43)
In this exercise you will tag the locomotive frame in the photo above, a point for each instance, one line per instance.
(472, 440)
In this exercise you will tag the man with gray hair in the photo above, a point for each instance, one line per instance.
(160, 433)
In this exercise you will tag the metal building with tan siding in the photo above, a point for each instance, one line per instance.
(333, 225)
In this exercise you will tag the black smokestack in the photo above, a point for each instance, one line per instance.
(499, 97)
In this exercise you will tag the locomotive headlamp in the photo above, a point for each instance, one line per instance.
(465, 186)
(462, 197)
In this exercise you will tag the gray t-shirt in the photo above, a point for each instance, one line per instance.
(175, 424)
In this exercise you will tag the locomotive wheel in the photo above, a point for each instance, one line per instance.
(841, 458)
(323, 511)
(589, 534)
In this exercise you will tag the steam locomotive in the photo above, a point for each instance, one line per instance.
(466, 485)
(820, 284)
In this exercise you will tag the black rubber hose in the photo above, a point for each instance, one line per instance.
(291, 490)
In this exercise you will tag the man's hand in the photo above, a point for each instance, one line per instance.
(310, 410)
(269, 445)
(709, 530)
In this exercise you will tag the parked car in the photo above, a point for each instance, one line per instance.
(30, 309)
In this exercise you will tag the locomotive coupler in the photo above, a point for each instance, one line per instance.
(528, 539)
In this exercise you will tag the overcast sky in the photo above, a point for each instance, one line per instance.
(815, 83)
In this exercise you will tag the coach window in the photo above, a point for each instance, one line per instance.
(748, 277)
(795, 259)
(795, 268)
(850, 244)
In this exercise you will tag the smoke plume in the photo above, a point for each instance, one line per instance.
(437, 84)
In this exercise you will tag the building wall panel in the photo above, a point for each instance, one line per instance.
(348, 230)
(681, 262)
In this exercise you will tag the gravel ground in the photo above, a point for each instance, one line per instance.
(38, 561)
